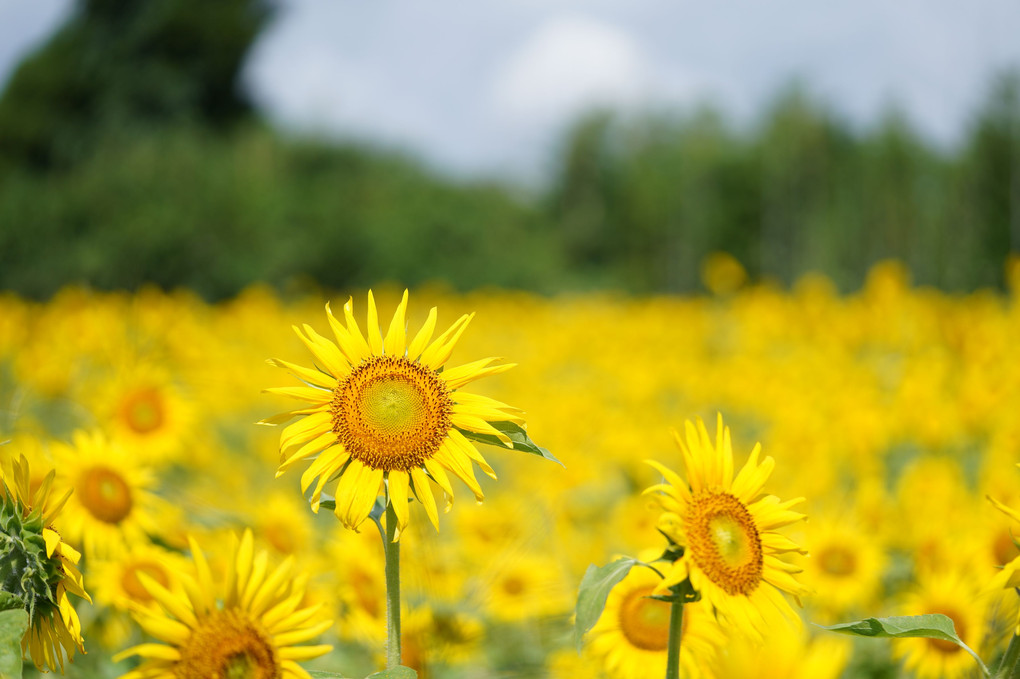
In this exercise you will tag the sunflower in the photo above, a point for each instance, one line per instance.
(846, 566)
(727, 530)
(118, 584)
(788, 653)
(113, 505)
(144, 409)
(37, 567)
(251, 632)
(631, 637)
(386, 415)
(954, 593)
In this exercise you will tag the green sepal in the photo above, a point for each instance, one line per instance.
(399, 672)
(929, 626)
(13, 625)
(596, 584)
(673, 552)
(518, 437)
(683, 593)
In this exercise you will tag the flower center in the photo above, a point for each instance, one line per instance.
(838, 561)
(105, 494)
(391, 413)
(948, 647)
(724, 542)
(133, 586)
(228, 645)
(643, 621)
(142, 410)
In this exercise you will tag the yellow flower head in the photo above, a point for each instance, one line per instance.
(727, 530)
(247, 626)
(37, 568)
(632, 635)
(387, 415)
(113, 505)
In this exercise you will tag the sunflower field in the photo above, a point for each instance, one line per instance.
(894, 412)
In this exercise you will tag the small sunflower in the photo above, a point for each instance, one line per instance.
(631, 637)
(113, 505)
(37, 567)
(143, 408)
(846, 566)
(727, 530)
(251, 632)
(117, 579)
(953, 593)
(385, 414)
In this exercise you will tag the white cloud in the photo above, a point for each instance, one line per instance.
(569, 64)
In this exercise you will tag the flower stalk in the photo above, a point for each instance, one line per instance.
(676, 624)
(1008, 667)
(392, 550)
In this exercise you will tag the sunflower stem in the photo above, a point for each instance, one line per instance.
(1008, 666)
(676, 623)
(392, 549)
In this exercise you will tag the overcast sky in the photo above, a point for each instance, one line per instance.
(487, 85)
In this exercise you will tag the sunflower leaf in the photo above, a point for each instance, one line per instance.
(929, 626)
(596, 584)
(518, 437)
(13, 623)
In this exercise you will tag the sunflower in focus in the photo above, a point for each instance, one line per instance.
(387, 415)
(252, 632)
(37, 567)
(727, 530)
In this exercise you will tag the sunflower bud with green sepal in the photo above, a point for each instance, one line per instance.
(37, 571)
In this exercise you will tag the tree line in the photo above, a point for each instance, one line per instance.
(128, 155)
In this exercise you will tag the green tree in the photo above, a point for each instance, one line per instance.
(990, 179)
(119, 68)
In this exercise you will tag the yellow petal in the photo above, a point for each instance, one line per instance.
(424, 494)
(396, 484)
(374, 337)
(421, 339)
(396, 336)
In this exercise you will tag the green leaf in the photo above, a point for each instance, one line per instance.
(593, 592)
(518, 437)
(13, 624)
(930, 626)
(399, 672)
(9, 601)
(316, 674)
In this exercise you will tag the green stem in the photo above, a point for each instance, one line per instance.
(392, 590)
(676, 623)
(1008, 666)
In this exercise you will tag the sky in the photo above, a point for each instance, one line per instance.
(488, 87)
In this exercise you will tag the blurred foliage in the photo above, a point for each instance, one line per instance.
(648, 199)
(190, 207)
(120, 67)
(128, 154)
